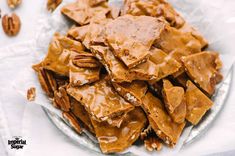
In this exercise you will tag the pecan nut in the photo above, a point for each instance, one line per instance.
(11, 24)
(47, 81)
(61, 99)
(13, 3)
(85, 60)
(152, 143)
(31, 94)
(72, 121)
(53, 4)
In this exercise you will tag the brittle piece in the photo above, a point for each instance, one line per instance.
(119, 72)
(61, 99)
(129, 44)
(197, 103)
(116, 69)
(80, 112)
(83, 12)
(53, 4)
(95, 2)
(132, 92)
(195, 33)
(72, 121)
(95, 34)
(91, 34)
(155, 8)
(177, 43)
(113, 139)
(174, 100)
(100, 100)
(165, 128)
(79, 32)
(57, 58)
(152, 143)
(83, 68)
(203, 69)
(166, 64)
(117, 121)
(47, 81)
(182, 79)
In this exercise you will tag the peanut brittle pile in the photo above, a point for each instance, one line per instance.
(138, 72)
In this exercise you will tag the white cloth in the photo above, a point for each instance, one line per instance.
(20, 119)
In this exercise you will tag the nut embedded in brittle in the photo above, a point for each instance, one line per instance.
(53, 4)
(152, 143)
(72, 121)
(31, 94)
(85, 60)
(144, 134)
(61, 99)
(11, 24)
(13, 3)
(47, 81)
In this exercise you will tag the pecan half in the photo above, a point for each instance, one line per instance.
(13, 3)
(152, 143)
(85, 60)
(11, 24)
(31, 94)
(47, 81)
(72, 121)
(61, 99)
(53, 4)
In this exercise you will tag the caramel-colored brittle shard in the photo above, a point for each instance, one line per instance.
(83, 12)
(177, 43)
(95, 34)
(100, 100)
(119, 72)
(117, 121)
(57, 58)
(154, 8)
(113, 139)
(197, 103)
(203, 69)
(95, 2)
(165, 128)
(195, 33)
(132, 92)
(174, 100)
(162, 9)
(91, 34)
(84, 68)
(132, 36)
(80, 112)
(71, 119)
(78, 33)
(166, 63)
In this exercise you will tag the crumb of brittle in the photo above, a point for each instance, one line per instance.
(31, 94)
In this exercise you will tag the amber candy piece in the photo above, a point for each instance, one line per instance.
(165, 128)
(203, 69)
(197, 103)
